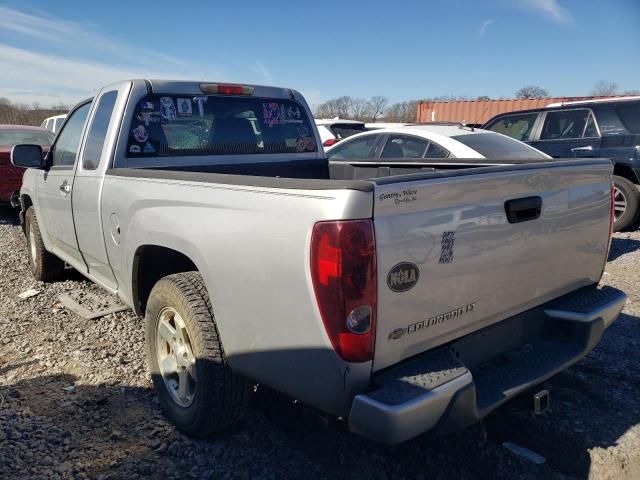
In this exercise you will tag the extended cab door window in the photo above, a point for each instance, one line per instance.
(518, 126)
(98, 131)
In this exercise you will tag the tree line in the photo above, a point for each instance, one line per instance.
(374, 109)
(377, 108)
(23, 114)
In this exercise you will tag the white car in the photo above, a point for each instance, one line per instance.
(332, 130)
(408, 144)
(379, 125)
(53, 123)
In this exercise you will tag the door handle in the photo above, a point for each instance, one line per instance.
(523, 209)
(65, 188)
(588, 148)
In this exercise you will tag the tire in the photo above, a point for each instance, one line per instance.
(628, 193)
(44, 266)
(214, 397)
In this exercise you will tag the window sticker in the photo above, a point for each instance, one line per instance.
(167, 108)
(293, 115)
(303, 131)
(145, 105)
(271, 114)
(134, 149)
(148, 148)
(140, 134)
(149, 117)
(200, 101)
(184, 107)
(300, 145)
(309, 143)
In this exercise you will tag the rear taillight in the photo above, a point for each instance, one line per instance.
(330, 141)
(343, 270)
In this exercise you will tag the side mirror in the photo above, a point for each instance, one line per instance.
(27, 156)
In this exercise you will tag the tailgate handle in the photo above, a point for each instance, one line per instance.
(523, 209)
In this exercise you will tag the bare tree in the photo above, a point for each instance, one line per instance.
(402, 112)
(336, 107)
(378, 104)
(532, 91)
(22, 114)
(358, 109)
(353, 108)
(604, 88)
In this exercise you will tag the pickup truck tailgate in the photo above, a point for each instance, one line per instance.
(461, 250)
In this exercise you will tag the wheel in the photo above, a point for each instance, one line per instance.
(197, 390)
(626, 198)
(44, 266)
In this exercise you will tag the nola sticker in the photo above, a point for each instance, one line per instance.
(403, 277)
(134, 149)
(140, 134)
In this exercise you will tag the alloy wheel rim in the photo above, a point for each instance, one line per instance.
(619, 203)
(176, 361)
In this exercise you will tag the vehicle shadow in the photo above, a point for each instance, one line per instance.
(55, 426)
(9, 215)
(622, 246)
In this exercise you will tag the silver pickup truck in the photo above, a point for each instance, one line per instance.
(402, 304)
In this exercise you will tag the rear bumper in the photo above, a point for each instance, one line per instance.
(458, 384)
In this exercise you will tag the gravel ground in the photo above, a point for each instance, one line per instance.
(76, 402)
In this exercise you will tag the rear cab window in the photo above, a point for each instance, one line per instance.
(184, 125)
(499, 147)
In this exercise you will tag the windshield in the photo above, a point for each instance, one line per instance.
(16, 137)
(494, 146)
(179, 125)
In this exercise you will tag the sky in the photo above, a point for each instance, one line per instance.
(64, 51)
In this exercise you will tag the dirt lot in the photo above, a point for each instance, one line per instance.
(76, 402)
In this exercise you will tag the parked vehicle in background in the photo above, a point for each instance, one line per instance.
(413, 148)
(53, 123)
(607, 128)
(379, 125)
(333, 130)
(211, 210)
(11, 176)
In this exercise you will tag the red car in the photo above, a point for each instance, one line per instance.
(10, 176)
